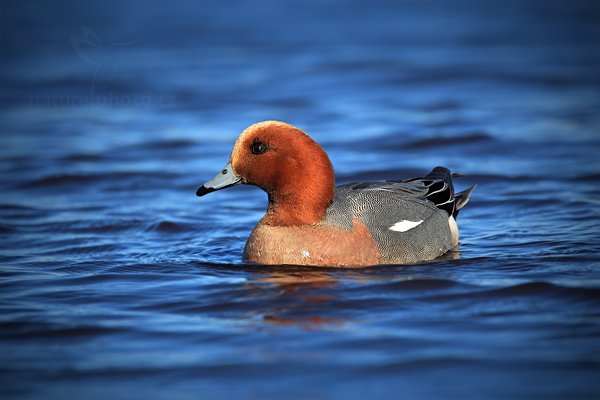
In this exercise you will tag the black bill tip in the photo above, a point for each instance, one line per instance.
(202, 190)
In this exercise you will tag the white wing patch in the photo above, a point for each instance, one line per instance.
(305, 254)
(405, 225)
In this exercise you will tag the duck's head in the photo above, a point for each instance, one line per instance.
(286, 163)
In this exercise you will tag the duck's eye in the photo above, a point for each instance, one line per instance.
(258, 148)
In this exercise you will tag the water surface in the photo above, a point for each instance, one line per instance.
(118, 282)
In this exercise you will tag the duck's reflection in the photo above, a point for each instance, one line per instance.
(307, 297)
(320, 298)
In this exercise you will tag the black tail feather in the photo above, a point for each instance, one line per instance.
(462, 199)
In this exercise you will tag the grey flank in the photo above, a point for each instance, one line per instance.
(380, 205)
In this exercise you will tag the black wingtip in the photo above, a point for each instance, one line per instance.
(202, 190)
(439, 172)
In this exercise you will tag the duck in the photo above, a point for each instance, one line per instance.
(311, 222)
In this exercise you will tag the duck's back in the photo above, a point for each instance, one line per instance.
(408, 220)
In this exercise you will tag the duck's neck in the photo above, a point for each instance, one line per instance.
(302, 200)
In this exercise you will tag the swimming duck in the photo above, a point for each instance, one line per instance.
(309, 221)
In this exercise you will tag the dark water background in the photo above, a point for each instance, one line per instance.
(117, 282)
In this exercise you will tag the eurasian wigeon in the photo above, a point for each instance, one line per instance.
(309, 221)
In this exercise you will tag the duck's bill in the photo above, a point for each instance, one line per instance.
(223, 180)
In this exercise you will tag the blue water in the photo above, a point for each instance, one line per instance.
(117, 282)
